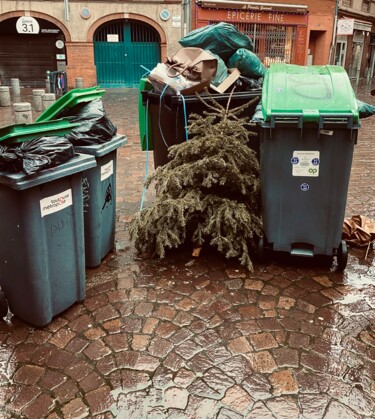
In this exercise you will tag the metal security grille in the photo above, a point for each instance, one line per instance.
(123, 49)
(139, 32)
(143, 33)
(114, 28)
(272, 43)
(28, 57)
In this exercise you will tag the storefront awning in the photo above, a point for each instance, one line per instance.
(256, 6)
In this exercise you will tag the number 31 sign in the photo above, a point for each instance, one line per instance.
(27, 25)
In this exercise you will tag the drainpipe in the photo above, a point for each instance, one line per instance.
(66, 10)
(332, 50)
(187, 27)
(190, 15)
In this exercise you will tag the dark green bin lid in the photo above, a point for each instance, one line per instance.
(69, 100)
(18, 133)
(308, 91)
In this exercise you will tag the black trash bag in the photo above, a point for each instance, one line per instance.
(365, 109)
(8, 159)
(95, 127)
(246, 83)
(35, 155)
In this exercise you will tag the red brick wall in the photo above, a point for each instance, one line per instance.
(81, 63)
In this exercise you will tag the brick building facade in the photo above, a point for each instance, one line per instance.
(67, 35)
(355, 40)
(299, 32)
(114, 42)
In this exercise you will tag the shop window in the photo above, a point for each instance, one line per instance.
(272, 43)
(340, 54)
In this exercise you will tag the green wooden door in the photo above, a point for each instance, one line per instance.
(120, 48)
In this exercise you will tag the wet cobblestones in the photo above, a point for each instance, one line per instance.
(201, 337)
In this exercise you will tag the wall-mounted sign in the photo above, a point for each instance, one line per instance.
(176, 21)
(85, 13)
(165, 14)
(27, 25)
(112, 38)
(59, 44)
(60, 56)
(251, 5)
(345, 26)
(50, 30)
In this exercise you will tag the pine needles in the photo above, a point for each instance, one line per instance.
(209, 192)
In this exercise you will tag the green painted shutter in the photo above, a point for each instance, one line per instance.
(118, 64)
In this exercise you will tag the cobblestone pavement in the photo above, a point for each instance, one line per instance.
(201, 338)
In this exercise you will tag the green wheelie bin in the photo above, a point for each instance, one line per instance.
(310, 127)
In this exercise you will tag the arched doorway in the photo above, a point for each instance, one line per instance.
(121, 47)
(28, 56)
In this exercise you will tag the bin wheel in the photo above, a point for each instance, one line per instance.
(3, 305)
(342, 256)
(260, 250)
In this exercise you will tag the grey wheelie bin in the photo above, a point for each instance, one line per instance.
(99, 192)
(42, 252)
(310, 127)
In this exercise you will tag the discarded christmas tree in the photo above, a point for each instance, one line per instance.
(209, 192)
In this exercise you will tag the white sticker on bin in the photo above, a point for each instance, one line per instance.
(56, 203)
(106, 170)
(326, 132)
(305, 163)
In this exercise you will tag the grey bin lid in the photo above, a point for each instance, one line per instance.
(99, 150)
(21, 181)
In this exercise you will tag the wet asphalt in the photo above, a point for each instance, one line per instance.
(201, 337)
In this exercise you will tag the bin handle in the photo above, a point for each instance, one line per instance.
(347, 118)
(286, 117)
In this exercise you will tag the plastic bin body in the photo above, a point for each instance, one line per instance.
(42, 254)
(99, 194)
(305, 213)
(168, 118)
(306, 157)
(144, 124)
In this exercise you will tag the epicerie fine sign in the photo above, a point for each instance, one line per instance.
(27, 25)
(255, 16)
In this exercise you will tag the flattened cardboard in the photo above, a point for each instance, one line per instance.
(228, 82)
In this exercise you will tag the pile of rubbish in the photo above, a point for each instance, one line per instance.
(216, 57)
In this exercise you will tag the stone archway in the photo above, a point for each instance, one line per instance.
(123, 51)
(132, 16)
(81, 54)
(28, 56)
